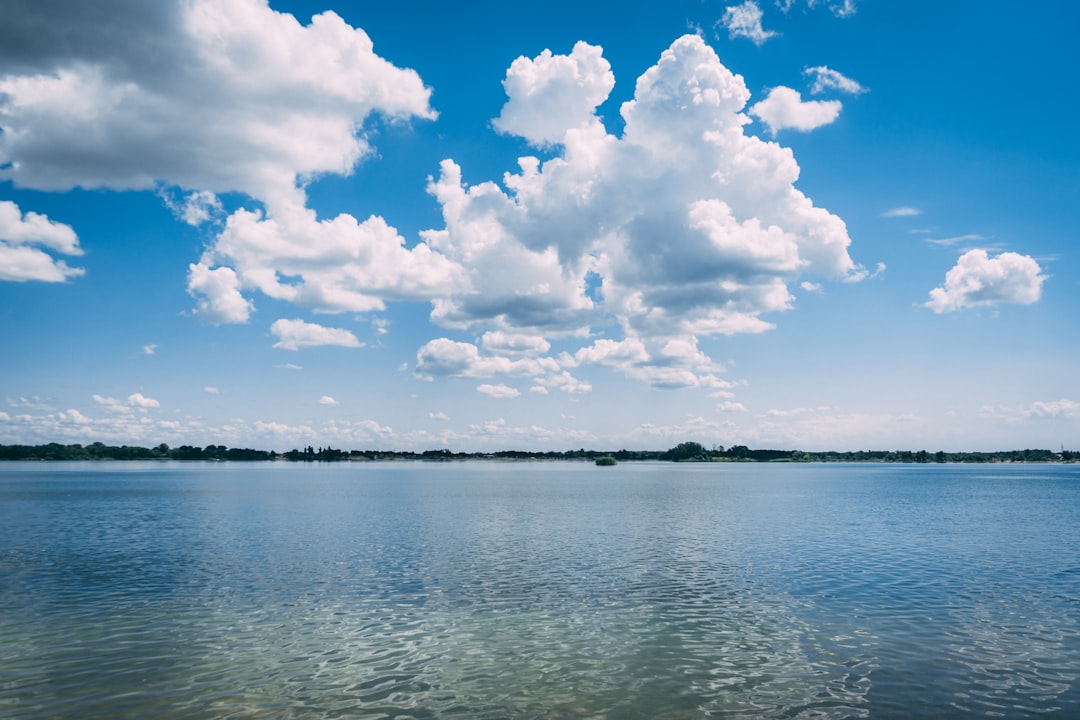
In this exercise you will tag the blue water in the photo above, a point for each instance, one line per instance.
(539, 590)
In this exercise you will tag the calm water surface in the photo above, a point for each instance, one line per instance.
(539, 590)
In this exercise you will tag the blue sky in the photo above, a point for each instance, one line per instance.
(838, 224)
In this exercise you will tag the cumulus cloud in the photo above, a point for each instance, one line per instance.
(785, 109)
(683, 226)
(551, 94)
(208, 95)
(745, 21)
(826, 78)
(196, 98)
(334, 265)
(27, 241)
(295, 334)
(327, 400)
(445, 357)
(978, 280)
(500, 392)
(211, 390)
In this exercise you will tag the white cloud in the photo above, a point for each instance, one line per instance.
(839, 8)
(784, 109)
(289, 366)
(327, 400)
(216, 95)
(218, 294)
(1056, 408)
(438, 416)
(445, 357)
(149, 349)
(333, 265)
(501, 392)
(745, 21)
(211, 390)
(826, 78)
(810, 286)
(731, 406)
(26, 240)
(902, 212)
(138, 400)
(135, 401)
(956, 239)
(295, 334)
(514, 344)
(980, 280)
(683, 226)
(551, 94)
(201, 97)
(197, 208)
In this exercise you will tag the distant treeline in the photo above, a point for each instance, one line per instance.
(684, 452)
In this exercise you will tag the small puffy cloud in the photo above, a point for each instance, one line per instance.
(26, 241)
(218, 294)
(745, 21)
(327, 400)
(138, 400)
(978, 280)
(565, 382)
(729, 406)
(502, 343)
(551, 94)
(211, 390)
(135, 401)
(810, 286)
(149, 349)
(826, 78)
(501, 392)
(445, 357)
(903, 211)
(295, 334)
(438, 416)
(784, 109)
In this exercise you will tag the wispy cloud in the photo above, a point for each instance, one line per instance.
(902, 212)
(826, 78)
(956, 240)
(745, 21)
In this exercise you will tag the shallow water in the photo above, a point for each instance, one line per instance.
(539, 590)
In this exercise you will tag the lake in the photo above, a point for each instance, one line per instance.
(539, 590)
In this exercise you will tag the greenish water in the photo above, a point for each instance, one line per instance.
(539, 590)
